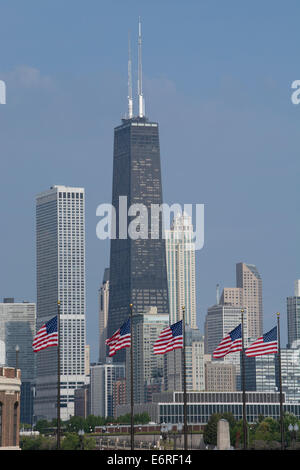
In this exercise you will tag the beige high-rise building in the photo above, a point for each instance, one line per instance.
(248, 295)
(220, 377)
(249, 280)
(232, 296)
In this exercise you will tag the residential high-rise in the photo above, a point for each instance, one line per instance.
(293, 315)
(247, 294)
(103, 315)
(138, 272)
(249, 279)
(180, 256)
(17, 328)
(60, 239)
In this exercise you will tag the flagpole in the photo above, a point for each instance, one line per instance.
(184, 383)
(244, 385)
(58, 375)
(131, 383)
(280, 384)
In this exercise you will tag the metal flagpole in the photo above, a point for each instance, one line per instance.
(184, 383)
(244, 385)
(131, 383)
(280, 384)
(58, 375)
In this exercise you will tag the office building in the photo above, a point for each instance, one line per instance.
(138, 272)
(60, 247)
(220, 377)
(148, 368)
(248, 295)
(103, 297)
(293, 315)
(250, 281)
(221, 320)
(180, 256)
(167, 407)
(119, 393)
(17, 329)
(82, 405)
(290, 372)
(260, 373)
(102, 381)
(195, 359)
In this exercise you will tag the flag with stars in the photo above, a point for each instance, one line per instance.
(230, 343)
(266, 344)
(46, 336)
(120, 339)
(170, 338)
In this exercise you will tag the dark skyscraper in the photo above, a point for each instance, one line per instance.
(138, 272)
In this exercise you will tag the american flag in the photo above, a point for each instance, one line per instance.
(46, 336)
(170, 338)
(120, 339)
(266, 344)
(230, 343)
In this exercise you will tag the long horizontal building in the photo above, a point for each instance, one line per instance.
(167, 407)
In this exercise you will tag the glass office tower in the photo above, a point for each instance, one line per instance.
(138, 272)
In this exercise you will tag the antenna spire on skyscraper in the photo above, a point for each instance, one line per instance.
(130, 101)
(140, 86)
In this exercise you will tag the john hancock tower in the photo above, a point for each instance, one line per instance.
(138, 272)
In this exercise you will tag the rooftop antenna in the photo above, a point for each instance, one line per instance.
(140, 87)
(218, 294)
(130, 101)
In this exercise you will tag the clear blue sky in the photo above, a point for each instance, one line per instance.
(217, 78)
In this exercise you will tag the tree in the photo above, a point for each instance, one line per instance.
(43, 426)
(211, 429)
(37, 443)
(72, 441)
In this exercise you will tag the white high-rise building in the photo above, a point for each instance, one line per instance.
(180, 257)
(60, 238)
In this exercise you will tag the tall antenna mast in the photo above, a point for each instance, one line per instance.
(140, 87)
(130, 101)
(218, 294)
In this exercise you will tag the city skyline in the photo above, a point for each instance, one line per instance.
(69, 141)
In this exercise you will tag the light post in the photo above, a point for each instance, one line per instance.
(293, 430)
(179, 430)
(81, 434)
(164, 430)
(17, 349)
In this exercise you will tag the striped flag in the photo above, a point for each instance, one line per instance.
(266, 344)
(46, 336)
(170, 338)
(120, 339)
(230, 343)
